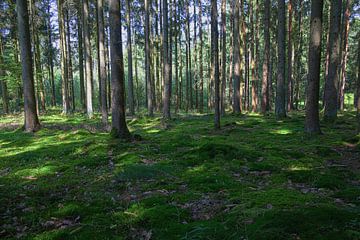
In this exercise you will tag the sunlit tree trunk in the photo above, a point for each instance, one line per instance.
(88, 59)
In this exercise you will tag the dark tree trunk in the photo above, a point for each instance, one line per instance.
(280, 85)
(266, 63)
(298, 57)
(331, 84)
(88, 59)
(223, 56)
(312, 124)
(81, 57)
(290, 81)
(166, 66)
(119, 127)
(215, 61)
(31, 119)
(237, 60)
(201, 69)
(131, 101)
(101, 61)
(150, 104)
(358, 87)
(4, 89)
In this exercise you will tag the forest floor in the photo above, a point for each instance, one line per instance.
(256, 178)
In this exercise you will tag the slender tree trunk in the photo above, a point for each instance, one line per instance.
(280, 85)
(298, 56)
(64, 66)
(215, 61)
(201, 69)
(331, 84)
(231, 57)
(195, 70)
(101, 61)
(88, 59)
(32, 123)
(358, 87)
(50, 57)
(266, 62)
(290, 81)
(118, 117)
(312, 123)
(166, 66)
(223, 57)
(345, 53)
(69, 63)
(4, 89)
(237, 60)
(81, 57)
(150, 105)
(253, 62)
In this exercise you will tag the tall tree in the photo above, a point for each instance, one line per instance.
(166, 65)
(215, 61)
(119, 127)
(201, 70)
(50, 55)
(280, 85)
(88, 59)
(64, 57)
(266, 62)
(358, 86)
(31, 119)
(312, 123)
(223, 56)
(150, 104)
(81, 56)
(237, 60)
(290, 82)
(332, 80)
(101, 60)
(130, 91)
(345, 53)
(4, 88)
(69, 61)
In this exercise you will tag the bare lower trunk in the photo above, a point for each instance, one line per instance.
(280, 84)
(215, 61)
(266, 63)
(88, 59)
(130, 66)
(237, 60)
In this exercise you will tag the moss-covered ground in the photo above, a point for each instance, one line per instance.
(256, 178)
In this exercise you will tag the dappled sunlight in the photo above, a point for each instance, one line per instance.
(36, 172)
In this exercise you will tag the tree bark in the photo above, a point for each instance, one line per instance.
(332, 80)
(101, 61)
(69, 64)
(51, 57)
(280, 85)
(312, 124)
(4, 89)
(201, 69)
(223, 57)
(32, 123)
(290, 81)
(130, 65)
(237, 60)
(215, 61)
(118, 117)
(166, 66)
(266, 62)
(150, 105)
(358, 87)
(81, 57)
(88, 59)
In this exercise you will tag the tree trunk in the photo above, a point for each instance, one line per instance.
(69, 63)
(32, 123)
(166, 66)
(237, 60)
(51, 57)
(280, 85)
(119, 127)
(266, 62)
(290, 81)
(88, 59)
(81, 56)
(358, 87)
(345, 52)
(150, 105)
(189, 100)
(298, 57)
(64, 57)
(223, 57)
(215, 61)
(101, 61)
(131, 101)
(201, 69)
(312, 124)
(331, 84)
(4, 89)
